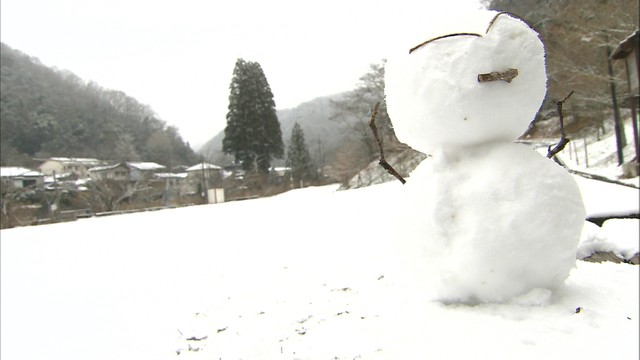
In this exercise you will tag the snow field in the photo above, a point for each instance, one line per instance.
(309, 274)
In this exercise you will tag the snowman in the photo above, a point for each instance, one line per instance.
(490, 220)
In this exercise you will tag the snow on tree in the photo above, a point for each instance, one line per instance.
(298, 158)
(253, 133)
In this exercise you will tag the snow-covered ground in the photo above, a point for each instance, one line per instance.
(308, 274)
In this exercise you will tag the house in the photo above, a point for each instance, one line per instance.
(126, 171)
(20, 178)
(175, 185)
(117, 172)
(205, 172)
(67, 166)
(143, 170)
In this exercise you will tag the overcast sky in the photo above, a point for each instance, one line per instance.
(178, 56)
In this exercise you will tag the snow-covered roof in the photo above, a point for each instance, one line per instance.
(205, 166)
(33, 173)
(626, 46)
(105, 167)
(145, 165)
(12, 171)
(83, 161)
(136, 165)
(171, 175)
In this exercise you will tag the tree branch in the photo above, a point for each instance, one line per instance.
(441, 37)
(382, 162)
(563, 138)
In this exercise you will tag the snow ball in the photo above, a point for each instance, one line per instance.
(434, 98)
(480, 227)
(535, 297)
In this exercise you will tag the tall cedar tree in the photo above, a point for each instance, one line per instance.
(298, 158)
(253, 132)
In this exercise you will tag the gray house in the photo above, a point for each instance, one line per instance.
(126, 171)
(19, 177)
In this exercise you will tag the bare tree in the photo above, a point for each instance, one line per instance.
(108, 195)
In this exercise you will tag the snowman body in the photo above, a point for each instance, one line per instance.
(494, 219)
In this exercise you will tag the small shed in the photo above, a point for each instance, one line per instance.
(629, 52)
(20, 178)
(209, 173)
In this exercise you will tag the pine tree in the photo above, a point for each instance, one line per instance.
(298, 158)
(253, 132)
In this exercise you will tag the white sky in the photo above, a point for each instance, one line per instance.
(178, 56)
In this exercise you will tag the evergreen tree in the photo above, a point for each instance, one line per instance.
(298, 158)
(253, 132)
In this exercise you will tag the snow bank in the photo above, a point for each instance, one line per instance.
(617, 236)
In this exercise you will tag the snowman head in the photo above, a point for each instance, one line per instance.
(436, 96)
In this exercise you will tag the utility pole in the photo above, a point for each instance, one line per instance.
(204, 182)
(53, 207)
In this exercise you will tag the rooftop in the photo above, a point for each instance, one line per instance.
(202, 166)
(12, 171)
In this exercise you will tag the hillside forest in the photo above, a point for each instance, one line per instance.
(47, 112)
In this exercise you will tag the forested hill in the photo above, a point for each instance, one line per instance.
(46, 112)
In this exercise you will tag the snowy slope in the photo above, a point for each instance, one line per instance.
(308, 274)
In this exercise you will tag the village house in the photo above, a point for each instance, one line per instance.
(126, 171)
(175, 185)
(205, 173)
(20, 178)
(64, 167)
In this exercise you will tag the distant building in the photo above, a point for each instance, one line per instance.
(19, 177)
(209, 173)
(126, 171)
(175, 185)
(62, 166)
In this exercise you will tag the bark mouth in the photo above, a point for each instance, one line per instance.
(506, 76)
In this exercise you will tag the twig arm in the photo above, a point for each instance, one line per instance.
(382, 162)
(563, 137)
